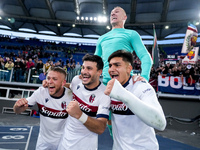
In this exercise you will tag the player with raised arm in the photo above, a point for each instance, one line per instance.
(52, 102)
(135, 107)
(120, 38)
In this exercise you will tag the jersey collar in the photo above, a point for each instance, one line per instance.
(125, 84)
(93, 88)
(59, 96)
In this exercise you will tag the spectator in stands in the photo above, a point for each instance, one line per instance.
(71, 59)
(68, 66)
(18, 65)
(138, 67)
(73, 66)
(1, 63)
(51, 57)
(163, 64)
(153, 78)
(36, 62)
(197, 74)
(58, 64)
(169, 73)
(46, 67)
(180, 70)
(39, 67)
(175, 71)
(52, 64)
(61, 62)
(6, 59)
(153, 74)
(2, 68)
(30, 64)
(166, 69)
(189, 76)
(67, 61)
(24, 68)
(9, 65)
(159, 70)
(65, 67)
(78, 66)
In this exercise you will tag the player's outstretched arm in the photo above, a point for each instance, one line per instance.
(95, 125)
(20, 106)
(151, 114)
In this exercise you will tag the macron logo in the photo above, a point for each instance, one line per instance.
(146, 90)
(46, 100)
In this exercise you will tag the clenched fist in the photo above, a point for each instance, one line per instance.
(74, 110)
(22, 102)
(109, 87)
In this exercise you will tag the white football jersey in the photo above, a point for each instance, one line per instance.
(129, 132)
(52, 114)
(92, 102)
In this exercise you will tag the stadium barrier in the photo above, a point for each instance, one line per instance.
(30, 76)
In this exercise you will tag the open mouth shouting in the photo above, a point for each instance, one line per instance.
(85, 77)
(114, 76)
(51, 88)
(114, 18)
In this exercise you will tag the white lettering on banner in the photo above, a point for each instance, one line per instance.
(163, 81)
(171, 56)
(174, 82)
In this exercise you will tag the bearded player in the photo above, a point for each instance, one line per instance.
(52, 103)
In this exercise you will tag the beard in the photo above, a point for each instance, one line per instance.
(56, 91)
(91, 81)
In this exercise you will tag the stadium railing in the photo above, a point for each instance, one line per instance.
(30, 76)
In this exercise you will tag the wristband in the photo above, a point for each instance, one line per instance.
(83, 118)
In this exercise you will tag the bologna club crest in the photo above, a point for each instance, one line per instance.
(63, 105)
(92, 97)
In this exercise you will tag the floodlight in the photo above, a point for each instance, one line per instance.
(166, 27)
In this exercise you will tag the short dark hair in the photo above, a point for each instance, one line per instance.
(125, 55)
(94, 58)
(58, 69)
